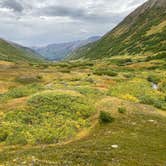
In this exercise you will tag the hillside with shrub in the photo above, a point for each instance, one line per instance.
(15, 53)
(143, 32)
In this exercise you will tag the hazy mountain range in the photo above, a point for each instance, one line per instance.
(59, 51)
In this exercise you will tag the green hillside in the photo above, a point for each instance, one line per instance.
(143, 32)
(14, 53)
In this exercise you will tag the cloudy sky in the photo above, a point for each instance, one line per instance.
(39, 22)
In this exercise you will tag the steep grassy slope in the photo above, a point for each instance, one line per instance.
(142, 32)
(14, 53)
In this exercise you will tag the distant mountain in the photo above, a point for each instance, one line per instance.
(62, 50)
(13, 52)
(143, 32)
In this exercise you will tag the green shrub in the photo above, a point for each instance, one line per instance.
(138, 90)
(49, 117)
(121, 110)
(156, 102)
(162, 86)
(153, 78)
(158, 56)
(105, 117)
(89, 91)
(129, 75)
(28, 79)
(105, 71)
(63, 64)
(65, 70)
(147, 99)
(3, 135)
(16, 138)
(17, 92)
(22, 91)
(160, 104)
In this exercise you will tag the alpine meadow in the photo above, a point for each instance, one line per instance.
(86, 101)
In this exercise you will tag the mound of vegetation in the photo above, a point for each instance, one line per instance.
(139, 90)
(22, 91)
(50, 117)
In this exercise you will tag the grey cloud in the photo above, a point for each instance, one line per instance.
(60, 11)
(79, 19)
(12, 4)
(136, 2)
(77, 14)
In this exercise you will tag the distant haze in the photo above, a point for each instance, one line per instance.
(62, 50)
(41, 22)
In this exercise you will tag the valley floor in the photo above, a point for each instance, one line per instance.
(34, 132)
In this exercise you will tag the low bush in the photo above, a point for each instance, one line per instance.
(162, 86)
(153, 78)
(3, 135)
(128, 75)
(158, 56)
(104, 71)
(29, 79)
(105, 117)
(151, 100)
(89, 91)
(121, 62)
(65, 70)
(122, 110)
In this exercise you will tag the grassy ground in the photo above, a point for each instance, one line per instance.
(50, 114)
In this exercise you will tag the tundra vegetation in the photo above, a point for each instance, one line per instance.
(73, 113)
(106, 109)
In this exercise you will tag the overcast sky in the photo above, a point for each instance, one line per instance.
(39, 22)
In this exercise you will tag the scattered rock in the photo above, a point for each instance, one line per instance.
(114, 146)
(150, 120)
(154, 86)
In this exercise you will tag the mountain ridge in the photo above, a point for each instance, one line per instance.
(10, 51)
(59, 51)
(131, 35)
